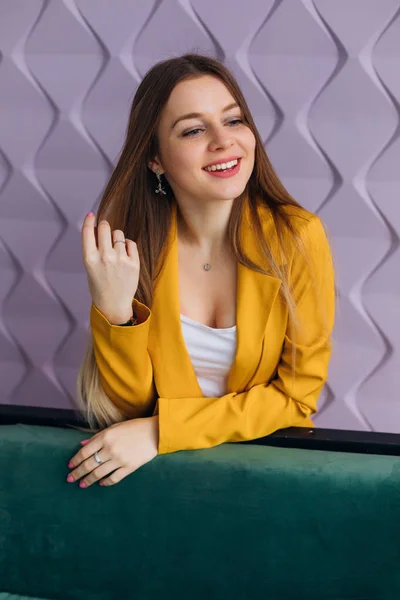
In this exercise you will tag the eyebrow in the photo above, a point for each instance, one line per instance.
(195, 115)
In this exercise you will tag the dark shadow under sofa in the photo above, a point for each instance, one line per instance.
(299, 515)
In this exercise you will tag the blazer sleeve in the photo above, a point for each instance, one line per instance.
(127, 347)
(285, 401)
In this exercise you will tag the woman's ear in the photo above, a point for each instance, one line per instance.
(154, 165)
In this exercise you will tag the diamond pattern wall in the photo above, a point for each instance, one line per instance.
(321, 79)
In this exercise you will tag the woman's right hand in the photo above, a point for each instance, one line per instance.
(112, 270)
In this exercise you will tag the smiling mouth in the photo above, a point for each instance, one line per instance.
(222, 167)
(225, 173)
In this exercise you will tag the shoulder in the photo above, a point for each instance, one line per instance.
(306, 241)
(305, 224)
(298, 216)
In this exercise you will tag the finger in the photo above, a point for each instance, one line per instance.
(131, 249)
(101, 471)
(118, 236)
(89, 246)
(104, 236)
(86, 467)
(116, 476)
(94, 445)
(83, 442)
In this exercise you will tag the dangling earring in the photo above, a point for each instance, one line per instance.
(160, 189)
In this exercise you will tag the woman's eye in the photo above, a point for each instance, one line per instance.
(192, 133)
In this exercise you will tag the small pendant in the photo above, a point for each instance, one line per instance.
(206, 267)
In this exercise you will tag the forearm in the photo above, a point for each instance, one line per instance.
(124, 363)
(194, 423)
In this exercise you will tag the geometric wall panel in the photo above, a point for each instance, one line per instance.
(321, 79)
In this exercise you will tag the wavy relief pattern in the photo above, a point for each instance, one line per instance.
(23, 223)
(344, 122)
(68, 162)
(308, 61)
(106, 106)
(321, 81)
(379, 393)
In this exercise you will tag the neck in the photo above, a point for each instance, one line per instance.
(204, 228)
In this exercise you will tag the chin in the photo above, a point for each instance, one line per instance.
(231, 191)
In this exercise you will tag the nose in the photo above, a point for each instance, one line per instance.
(221, 137)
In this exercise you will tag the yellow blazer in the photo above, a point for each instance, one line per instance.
(146, 369)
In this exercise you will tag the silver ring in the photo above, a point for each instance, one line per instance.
(120, 242)
(97, 458)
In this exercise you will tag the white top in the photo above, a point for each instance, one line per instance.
(212, 352)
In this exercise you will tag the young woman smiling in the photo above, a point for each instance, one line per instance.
(213, 289)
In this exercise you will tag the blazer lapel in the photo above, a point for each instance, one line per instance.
(172, 365)
(256, 294)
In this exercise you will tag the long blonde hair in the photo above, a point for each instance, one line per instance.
(129, 203)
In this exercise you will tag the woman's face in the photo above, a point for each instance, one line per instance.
(216, 135)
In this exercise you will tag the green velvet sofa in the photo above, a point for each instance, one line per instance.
(239, 521)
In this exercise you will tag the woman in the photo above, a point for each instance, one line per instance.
(228, 335)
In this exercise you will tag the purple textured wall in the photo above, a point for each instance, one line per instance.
(322, 80)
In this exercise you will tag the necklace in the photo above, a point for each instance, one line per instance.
(206, 267)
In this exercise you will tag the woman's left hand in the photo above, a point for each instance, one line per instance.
(122, 448)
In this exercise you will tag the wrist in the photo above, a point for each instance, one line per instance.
(121, 317)
(133, 320)
(115, 318)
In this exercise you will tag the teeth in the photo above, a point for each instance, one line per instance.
(222, 166)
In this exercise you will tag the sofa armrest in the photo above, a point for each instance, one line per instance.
(235, 521)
